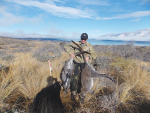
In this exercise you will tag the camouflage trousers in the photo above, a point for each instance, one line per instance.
(76, 78)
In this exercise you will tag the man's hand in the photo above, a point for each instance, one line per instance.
(87, 59)
(72, 55)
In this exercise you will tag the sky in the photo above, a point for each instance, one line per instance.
(68, 19)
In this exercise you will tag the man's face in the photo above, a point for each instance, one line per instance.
(83, 41)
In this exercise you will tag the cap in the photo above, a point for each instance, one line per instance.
(84, 36)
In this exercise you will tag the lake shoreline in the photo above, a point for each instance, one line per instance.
(95, 41)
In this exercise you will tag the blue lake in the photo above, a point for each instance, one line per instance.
(118, 42)
(98, 42)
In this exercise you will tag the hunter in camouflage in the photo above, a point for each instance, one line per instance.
(71, 49)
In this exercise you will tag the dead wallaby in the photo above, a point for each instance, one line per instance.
(88, 74)
(67, 72)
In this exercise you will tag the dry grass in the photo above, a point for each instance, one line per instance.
(57, 65)
(132, 89)
(32, 74)
(27, 76)
(135, 86)
(7, 86)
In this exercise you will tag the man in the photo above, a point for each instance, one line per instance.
(78, 61)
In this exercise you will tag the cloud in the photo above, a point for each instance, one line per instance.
(141, 1)
(117, 10)
(94, 2)
(52, 1)
(23, 34)
(129, 15)
(70, 12)
(51, 7)
(136, 20)
(145, 1)
(140, 35)
(8, 18)
(52, 33)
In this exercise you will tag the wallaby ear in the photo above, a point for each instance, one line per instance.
(60, 83)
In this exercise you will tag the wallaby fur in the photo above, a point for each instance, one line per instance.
(88, 74)
(67, 72)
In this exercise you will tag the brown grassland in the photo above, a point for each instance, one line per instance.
(28, 74)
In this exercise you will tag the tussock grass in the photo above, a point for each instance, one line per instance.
(133, 74)
(134, 86)
(27, 76)
(132, 89)
(33, 74)
(7, 86)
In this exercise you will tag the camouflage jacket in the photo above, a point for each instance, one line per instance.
(72, 48)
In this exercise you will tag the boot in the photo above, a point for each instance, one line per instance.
(73, 95)
(82, 99)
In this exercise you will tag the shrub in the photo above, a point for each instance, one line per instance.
(5, 56)
(47, 52)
